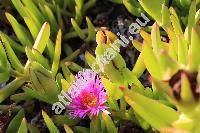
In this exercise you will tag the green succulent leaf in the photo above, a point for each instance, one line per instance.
(182, 50)
(15, 123)
(186, 91)
(40, 58)
(88, 5)
(78, 29)
(91, 60)
(57, 54)
(79, 11)
(33, 129)
(151, 61)
(43, 81)
(112, 89)
(155, 113)
(132, 7)
(42, 38)
(176, 24)
(35, 94)
(20, 8)
(65, 120)
(156, 40)
(95, 125)
(10, 88)
(91, 30)
(194, 58)
(168, 66)
(33, 8)
(31, 26)
(21, 32)
(109, 123)
(68, 129)
(191, 19)
(15, 63)
(81, 129)
(23, 127)
(52, 128)
(50, 18)
(166, 23)
(139, 67)
(12, 43)
(149, 7)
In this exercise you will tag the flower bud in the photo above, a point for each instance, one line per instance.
(179, 85)
(105, 37)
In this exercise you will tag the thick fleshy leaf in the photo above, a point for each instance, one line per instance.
(79, 11)
(155, 113)
(52, 128)
(95, 125)
(20, 7)
(33, 129)
(65, 120)
(80, 129)
(32, 16)
(42, 38)
(91, 60)
(186, 91)
(3, 58)
(156, 40)
(11, 55)
(175, 23)
(112, 89)
(15, 123)
(38, 57)
(78, 29)
(182, 50)
(151, 62)
(35, 94)
(149, 7)
(16, 46)
(132, 7)
(10, 88)
(194, 58)
(32, 27)
(23, 127)
(139, 67)
(51, 18)
(191, 20)
(73, 66)
(146, 36)
(166, 23)
(56, 61)
(137, 45)
(168, 66)
(109, 123)
(33, 8)
(91, 30)
(68, 129)
(21, 32)
(173, 44)
(43, 81)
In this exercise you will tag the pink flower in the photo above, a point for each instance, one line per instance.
(87, 95)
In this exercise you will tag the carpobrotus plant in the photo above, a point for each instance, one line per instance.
(47, 91)
(174, 69)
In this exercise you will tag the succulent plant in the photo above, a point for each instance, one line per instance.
(111, 97)
(36, 70)
(116, 78)
(174, 68)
